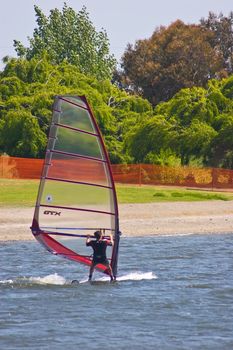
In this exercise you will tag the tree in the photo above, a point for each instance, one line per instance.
(188, 105)
(222, 40)
(150, 136)
(70, 36)
(172, 58)
(20, 134)
(222, 144)
(227, 88)
(195, 141)
(29, 86)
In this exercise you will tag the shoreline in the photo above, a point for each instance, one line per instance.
(149, 219)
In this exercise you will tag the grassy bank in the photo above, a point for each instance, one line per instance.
(23, 193)
(148, 194)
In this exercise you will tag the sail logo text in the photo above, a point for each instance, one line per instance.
(51, 212)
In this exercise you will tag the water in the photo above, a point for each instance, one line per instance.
(172, 293)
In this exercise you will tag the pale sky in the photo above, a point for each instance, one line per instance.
(125, 21)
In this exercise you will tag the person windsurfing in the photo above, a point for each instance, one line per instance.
(99, 246)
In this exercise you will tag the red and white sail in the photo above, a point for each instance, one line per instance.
(77, 194)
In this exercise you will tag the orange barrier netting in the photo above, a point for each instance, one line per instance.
(138, 174)
(149, 174)
(20, 168)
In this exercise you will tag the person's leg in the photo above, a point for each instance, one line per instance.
(109, 270)
(91, 271)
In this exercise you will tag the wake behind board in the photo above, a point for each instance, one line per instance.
(77, 194)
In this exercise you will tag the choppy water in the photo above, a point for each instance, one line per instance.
(171, 293)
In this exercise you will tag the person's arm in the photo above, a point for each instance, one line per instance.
(88, 240)
(110, 242)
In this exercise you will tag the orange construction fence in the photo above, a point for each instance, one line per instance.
(138, 174)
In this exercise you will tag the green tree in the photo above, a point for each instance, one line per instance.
(166, 157)
(188, 105)
(29, 86)
(222, 144)
(20, 134)
(202, 122)
(70, 36)
(195, 141)
(227, 88)
(149, 136)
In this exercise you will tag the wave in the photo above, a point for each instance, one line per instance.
(50, 279)
(137, 276)
(132, 276)
(55, 279)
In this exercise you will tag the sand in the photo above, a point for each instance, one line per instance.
(171, 218)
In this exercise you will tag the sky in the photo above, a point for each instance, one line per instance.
(125, 21)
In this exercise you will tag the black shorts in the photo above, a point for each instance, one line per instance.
(100, 261)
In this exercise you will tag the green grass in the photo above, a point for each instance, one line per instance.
(18, 193)
(148, 194)
(22, 193)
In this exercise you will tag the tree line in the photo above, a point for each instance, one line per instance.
(170, 103)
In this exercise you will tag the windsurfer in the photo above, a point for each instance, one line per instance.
(99, 246)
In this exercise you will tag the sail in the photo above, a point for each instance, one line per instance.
(76, 195)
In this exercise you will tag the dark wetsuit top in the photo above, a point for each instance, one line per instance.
(99, 248)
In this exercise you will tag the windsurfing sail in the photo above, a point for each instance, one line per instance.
(77, 194)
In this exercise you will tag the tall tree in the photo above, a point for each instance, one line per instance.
(70, 36)
(174, 57)
(222, 28)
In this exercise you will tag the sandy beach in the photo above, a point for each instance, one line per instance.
(140, 219)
